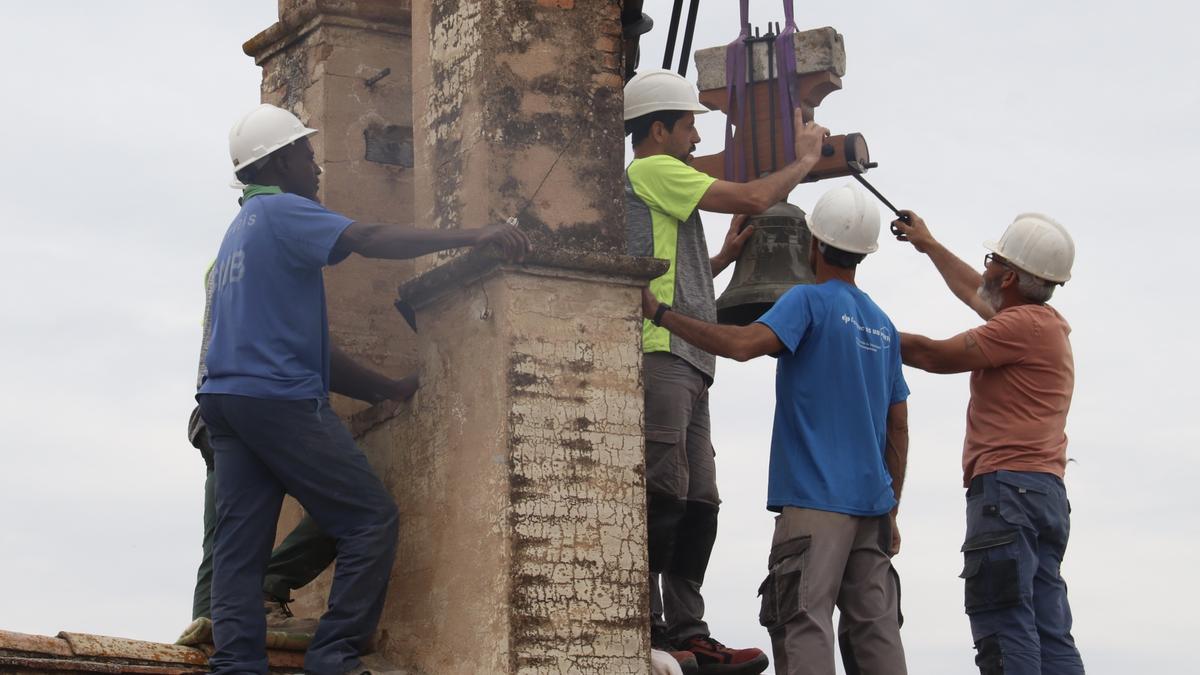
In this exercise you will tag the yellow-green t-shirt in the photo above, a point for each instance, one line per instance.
(661, 195)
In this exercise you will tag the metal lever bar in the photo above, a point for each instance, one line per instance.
(878, 195)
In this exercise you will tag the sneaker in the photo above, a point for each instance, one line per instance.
(687, 661)
(198, 632)
(715, 658)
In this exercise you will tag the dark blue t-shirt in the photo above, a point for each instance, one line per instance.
(270, 334)
(833, 387)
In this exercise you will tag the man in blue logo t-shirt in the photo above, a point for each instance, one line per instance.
(838, 450)
(265, 396)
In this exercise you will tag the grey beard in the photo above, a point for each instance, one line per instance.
(989, 295)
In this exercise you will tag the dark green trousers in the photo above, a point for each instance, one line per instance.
(298, 559)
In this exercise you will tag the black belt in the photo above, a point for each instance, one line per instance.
(976, 485)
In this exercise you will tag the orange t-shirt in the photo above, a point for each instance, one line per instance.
(1017, 416)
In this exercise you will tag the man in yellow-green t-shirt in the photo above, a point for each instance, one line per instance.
(663, 195)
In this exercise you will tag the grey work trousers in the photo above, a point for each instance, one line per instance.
(820, 559)
(682, 498)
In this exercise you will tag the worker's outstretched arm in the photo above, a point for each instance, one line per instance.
(895, 455)
(760, 194)
(734, 342)
(349, 378)
(398, 243)
(959, 354)
(962, 279)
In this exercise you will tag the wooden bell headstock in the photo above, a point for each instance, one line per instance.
(820, 64)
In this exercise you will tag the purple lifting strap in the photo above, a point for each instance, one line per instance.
(785, 55)
(736, 89)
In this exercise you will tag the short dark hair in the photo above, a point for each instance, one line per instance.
(640, 126)
(839, 258)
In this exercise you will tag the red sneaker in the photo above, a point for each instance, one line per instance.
(715, 658)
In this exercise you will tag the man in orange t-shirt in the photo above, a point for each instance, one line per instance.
(1015, 451)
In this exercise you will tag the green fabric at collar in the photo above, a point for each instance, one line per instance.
(255, 190)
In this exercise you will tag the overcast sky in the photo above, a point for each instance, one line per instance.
(113, 198)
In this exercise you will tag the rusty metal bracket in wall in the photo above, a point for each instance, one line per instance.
(374, 79)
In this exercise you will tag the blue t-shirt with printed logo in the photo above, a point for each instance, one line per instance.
(269, 332)
(834, 384)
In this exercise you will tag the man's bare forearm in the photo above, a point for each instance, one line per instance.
(782, 182)
(915, 351)
(760, 194)
(962, 279)
(395, 242)
(957, 354)
(897, 462)
(775, 187)
(712, 338)
(896, 454)
(349, 378)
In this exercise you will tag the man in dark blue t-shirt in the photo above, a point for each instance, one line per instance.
(838, 450)
(265, 396)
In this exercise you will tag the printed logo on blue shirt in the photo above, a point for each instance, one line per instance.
(230, 270)
(866, 333)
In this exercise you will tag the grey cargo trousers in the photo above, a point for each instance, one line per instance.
(681, 493)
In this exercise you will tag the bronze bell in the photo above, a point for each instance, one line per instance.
(773, 260)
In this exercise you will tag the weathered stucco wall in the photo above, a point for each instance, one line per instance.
(577, 482)
(518, 472)
(519, 114)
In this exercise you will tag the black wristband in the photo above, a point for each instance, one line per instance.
(663, 308)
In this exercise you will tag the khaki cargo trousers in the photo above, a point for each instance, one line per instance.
(821, 559)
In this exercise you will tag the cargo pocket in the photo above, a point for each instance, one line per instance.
(665, 462)
(991, 582)
(899, 611)
(1017, 496)
(783, 589)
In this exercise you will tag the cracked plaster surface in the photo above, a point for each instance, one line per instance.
(518, 470)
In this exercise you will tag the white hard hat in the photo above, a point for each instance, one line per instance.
(653, 90)
(262, 131)
(1037, 244)
(846, 219)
